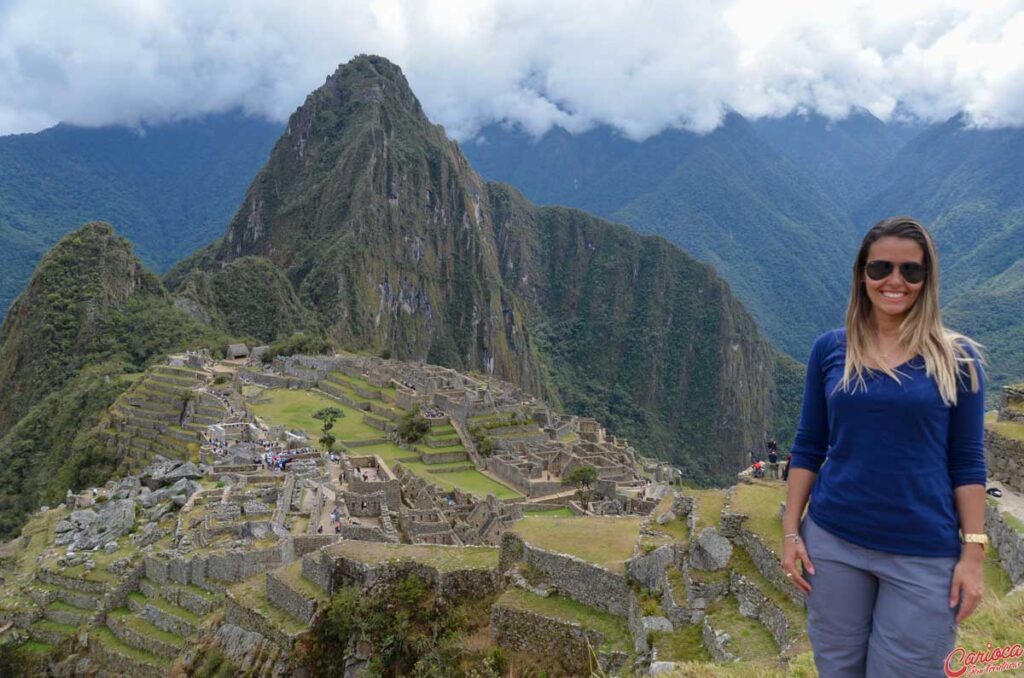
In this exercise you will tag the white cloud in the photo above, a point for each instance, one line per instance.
(639, 66)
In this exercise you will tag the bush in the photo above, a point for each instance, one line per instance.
(412, 427)
(411, 630)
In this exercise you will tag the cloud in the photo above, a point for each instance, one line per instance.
(638, 66)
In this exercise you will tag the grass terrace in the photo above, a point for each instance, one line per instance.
(443, 558)
(560, 512)
(676, 528)
(708, 504)
(613, 628)
(468, 480)
(1013, 430)
(760, 502)
(607, 541)
(252, 594)
(750, 639)
(683, 645)
(295, 409)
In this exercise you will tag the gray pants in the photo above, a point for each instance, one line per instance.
(877, 614)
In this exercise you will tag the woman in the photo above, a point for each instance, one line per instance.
(891, 441)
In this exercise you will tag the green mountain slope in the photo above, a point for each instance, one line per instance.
(967, 185)
(728, 198)
(89, 315)
(169, 188)
(397, 245)
(844, 156)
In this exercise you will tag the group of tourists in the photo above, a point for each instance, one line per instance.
(770, 468)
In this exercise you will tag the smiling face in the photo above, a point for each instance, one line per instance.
(893, 296)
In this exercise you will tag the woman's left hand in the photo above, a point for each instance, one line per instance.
(968, 584)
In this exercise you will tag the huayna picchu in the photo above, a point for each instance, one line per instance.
(398, 421)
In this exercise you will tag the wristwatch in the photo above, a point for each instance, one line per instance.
(974, 538)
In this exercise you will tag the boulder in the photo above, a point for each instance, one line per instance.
(656, 624)
(665, 517)
(113, 520)
(186, 470)
(661, 668)
(710, 551)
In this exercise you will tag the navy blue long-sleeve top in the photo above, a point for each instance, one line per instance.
(888, 458)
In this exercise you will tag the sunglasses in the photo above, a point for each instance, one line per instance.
(911, 271)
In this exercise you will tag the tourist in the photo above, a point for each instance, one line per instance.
(891, 443)
(758, 471)
(785, 469)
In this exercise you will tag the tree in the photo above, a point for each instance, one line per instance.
(328, 415)
(412, 428)
(582, 477)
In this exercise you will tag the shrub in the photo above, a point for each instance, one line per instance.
(412, 427)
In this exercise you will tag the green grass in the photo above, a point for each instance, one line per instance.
(677, 528)
(107, 637)
(760, 503)
(750, 639)
(61, 606)
(142, 626)
(677, 582)
(33, 646)
(997, 582)
(560, 512)
(295, 409)
(180, 612)
(292, 574)
(613, 628)
(708, 505)
(471, 481)
(603, 540)
(1008, 429)
(1013, 521)
(47, 625)
(426, 449)
(252, 594)
(682, 645)
(996, 621)
(443, 558)
(801, 666)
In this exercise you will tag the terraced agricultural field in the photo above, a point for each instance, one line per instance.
(295, 409)
(607, 541)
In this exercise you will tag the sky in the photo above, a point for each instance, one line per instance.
(638, 66)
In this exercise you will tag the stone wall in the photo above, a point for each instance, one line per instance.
(455, 585)
(117, 664)
(715, 641)
(575, 578)
(308, 543)
(1008, 541)
(754, 603)
(767, 563)
(1005, 460)
(273, 380)
(290, 601)
(251, 620)
(572, 647)
(226, 567)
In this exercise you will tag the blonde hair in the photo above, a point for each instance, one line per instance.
(945, 352)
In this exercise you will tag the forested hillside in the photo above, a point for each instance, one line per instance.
(169, 189)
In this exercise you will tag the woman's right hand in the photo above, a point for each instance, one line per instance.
(793, 552)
